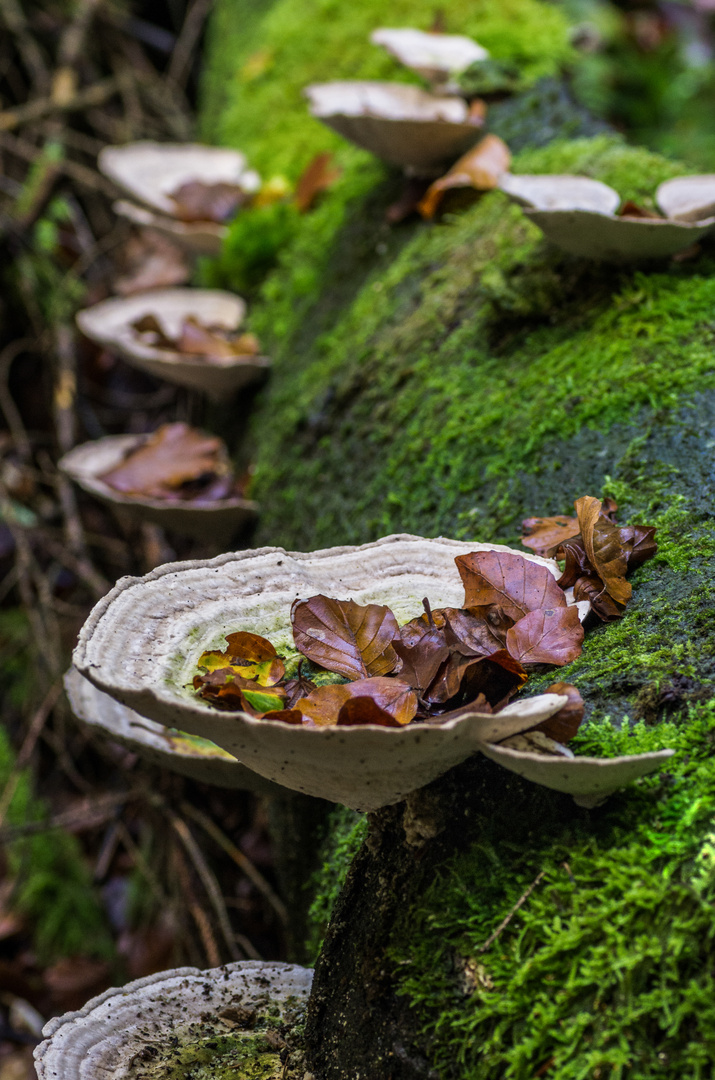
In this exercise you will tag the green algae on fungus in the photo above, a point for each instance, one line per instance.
(607, 965)
(237, 1056)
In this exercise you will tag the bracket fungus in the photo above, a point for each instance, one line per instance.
(401, 124)
(111, 323)
(185, 754)
(152, 172)
(436, 57)
(580, 215)
(177, 1021)
(142, 642)
(215, 519)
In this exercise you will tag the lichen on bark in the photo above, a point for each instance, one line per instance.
(452, 379)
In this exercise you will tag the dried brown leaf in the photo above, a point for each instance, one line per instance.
(547, 636)
(351, 639)
(602, 543)
(546, 535)
(390, 697)
(564, 724)
(175, 456)
(319, 175)
(480, 169)
(508, 581)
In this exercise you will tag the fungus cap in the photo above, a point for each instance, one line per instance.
(617, 239)
(151, 172)
(142, 642)
(401, 124)
(687, 198)
(218, 520)
(539, 192)
(434, 56)
(196, 758)
(589, 780)
(196, 237)
(578, 215)
(147, 1019)
(109, 323)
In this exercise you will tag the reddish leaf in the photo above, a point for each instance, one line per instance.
(422, 661)
(197, 201)
(316, 178)
(546, 535)
(480, 169)
(298, 687)
(509, 581)
(548, 636)
(564, 724)
(481, 632)
(638, 544)
(352, 639)
(176, 455)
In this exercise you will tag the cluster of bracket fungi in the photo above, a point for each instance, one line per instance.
(138, 651)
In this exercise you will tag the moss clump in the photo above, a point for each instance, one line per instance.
(606, 969)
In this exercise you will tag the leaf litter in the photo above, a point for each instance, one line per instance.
(515, 618)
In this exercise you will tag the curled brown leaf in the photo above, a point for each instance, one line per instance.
(546, 535)
(480, 169)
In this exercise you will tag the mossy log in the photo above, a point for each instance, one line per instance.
(452, 379)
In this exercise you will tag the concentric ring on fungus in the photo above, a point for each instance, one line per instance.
(183, 1014)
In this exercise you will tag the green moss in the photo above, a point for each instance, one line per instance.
(52, 883)
(264, 54)
(606, 969)
(346, 832)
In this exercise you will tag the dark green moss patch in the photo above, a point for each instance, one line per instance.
(606, 969)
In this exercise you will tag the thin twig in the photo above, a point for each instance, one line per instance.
(90, 816)
(30, 741)
(241, 860)
(208, 880)
(7, 404)
(183, 55)
(14, 18)
(83, 99)
(199, 916)
(505, 922)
